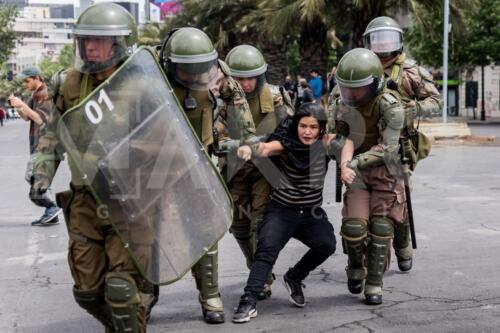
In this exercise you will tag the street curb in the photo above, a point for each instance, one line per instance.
(445, 130)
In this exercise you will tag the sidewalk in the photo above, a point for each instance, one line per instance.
(461, 128)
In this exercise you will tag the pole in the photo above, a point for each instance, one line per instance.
(483, 112)
(445, 59)
(147, 10)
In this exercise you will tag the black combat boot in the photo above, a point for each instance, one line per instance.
(355, 286)
(404, 265)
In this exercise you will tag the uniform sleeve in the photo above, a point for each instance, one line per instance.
(236, 120)
(336, 113)
(390, 125)
(419, 84)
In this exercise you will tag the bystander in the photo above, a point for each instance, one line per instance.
(37, 112)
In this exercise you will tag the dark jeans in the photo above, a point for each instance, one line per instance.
(280, 223)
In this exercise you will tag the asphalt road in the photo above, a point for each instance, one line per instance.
(453, 287)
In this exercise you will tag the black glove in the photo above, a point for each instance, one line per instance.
(39, 184)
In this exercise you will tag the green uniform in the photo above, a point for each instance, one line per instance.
(415, 87)
(420, 98)
(191, 64)
(374, 203)
(106, 281)
(96, 253)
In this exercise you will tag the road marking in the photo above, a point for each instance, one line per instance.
(29, 259)
(469, 199)
(485, 232)
(33, 254)
(490, 307)
(422, 236)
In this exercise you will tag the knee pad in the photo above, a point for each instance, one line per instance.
(354, 229)
(382, 227)
(93, 302)
(123, 297)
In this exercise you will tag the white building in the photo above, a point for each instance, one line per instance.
(44, 27)
(491, 92)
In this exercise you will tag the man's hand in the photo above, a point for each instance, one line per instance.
(347, 173)
(245, 153)
(39, 184)
(15, 102)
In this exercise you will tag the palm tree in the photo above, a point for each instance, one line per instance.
(232, 23)
(321, 25)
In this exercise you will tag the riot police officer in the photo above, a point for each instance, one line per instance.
(419, 96)
(107, 283)
(269, 104)
(374, 201)
(191, 64)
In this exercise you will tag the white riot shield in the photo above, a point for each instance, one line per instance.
(147, 169)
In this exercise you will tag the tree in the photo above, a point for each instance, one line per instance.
(8, 14)
(475, 37)
(424, 38)
(48, 67)
(153, 33)
(321, 26)
(232, 23)
(483, 45)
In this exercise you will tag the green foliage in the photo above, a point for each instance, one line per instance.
(67, 56)
(483, 44)
(65, 60)
(424, 39)
(12, 87)
(48, 69)
(8, 14)
(153, 33)
(292, 58)
(474, 38)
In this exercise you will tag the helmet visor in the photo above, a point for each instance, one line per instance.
(95, 54)
(384, 42)
(359, 96)
(195, 76)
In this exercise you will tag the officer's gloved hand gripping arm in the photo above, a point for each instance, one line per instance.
(386, 152)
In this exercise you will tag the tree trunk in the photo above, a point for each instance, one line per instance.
(275, 55)
(313, 49)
